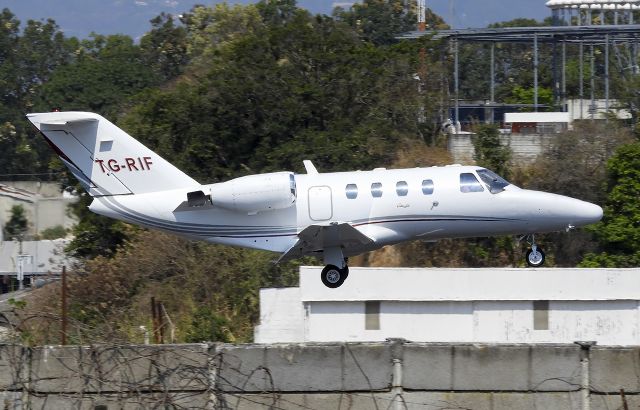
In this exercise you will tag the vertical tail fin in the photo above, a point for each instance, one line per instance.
(105, 159)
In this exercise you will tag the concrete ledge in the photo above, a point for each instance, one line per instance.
(408, 401)
(131, 401)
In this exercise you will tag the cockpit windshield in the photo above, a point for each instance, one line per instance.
(493, 181)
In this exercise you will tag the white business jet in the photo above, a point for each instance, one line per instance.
(332, 215)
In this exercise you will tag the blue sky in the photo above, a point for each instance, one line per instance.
(80, 17)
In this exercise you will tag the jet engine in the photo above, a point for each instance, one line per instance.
(256, 193)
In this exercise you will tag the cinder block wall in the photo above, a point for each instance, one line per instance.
(394, 374)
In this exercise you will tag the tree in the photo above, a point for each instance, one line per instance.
(17, 225)
(619, 230)
(107, 71)
(380, 21)
(164, 47)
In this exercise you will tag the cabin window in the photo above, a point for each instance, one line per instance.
(427, 187)
(376, 189)
(540, 315)
(402, 188)
(469, 183)
(372, 315)
(352, 191)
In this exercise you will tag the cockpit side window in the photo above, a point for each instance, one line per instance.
(493, 181)
(469, 183)
(292, 186)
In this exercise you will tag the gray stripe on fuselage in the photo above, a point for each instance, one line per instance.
(203, 230)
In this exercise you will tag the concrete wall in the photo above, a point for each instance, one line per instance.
(524, 148)
(392, 374)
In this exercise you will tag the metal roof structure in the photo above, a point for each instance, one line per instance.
(592, 34)
(595, 4)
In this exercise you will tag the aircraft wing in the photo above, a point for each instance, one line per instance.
(315, 238)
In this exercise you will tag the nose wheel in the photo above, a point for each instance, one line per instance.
(333, 277)
(535, 256)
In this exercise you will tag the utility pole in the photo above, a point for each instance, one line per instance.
(63, 331)
(20, 266)
(154, 321)
(421, 15)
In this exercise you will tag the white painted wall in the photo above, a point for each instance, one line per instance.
(281, 316)
(459, 305)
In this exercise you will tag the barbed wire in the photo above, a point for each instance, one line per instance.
(203, 376)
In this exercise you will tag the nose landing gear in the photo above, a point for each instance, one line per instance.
(535, 256)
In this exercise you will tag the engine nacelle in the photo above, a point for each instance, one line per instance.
(256, 193)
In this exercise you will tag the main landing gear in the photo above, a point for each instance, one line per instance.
(333, 277)
(535, 255)
(336, 270)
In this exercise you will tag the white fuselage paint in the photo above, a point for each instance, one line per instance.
(388, 219)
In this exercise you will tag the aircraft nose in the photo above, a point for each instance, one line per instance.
(583, 213)
(587, 213)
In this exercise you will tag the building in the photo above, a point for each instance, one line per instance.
(500, 305)
(45, 205)
(38, 258)
(590, 12)
(527, 123)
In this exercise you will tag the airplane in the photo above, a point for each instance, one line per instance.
(329, 215)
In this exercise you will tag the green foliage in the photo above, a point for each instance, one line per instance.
(520, 95)
(17, 225)
(291, 88)
(489, 152)
(164, 47)
(619, 230)
(380, 21)
(210, 292)
(206, 326)
(54, 232)
(106, 71)
(95, 235)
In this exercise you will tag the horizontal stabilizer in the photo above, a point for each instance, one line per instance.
(59, 122)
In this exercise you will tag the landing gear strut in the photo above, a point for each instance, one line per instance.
(535, 255)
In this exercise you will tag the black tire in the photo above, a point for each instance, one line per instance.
(345, 272)
(332, 277)
(535, 260)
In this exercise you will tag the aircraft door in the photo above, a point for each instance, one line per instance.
(320, 203)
